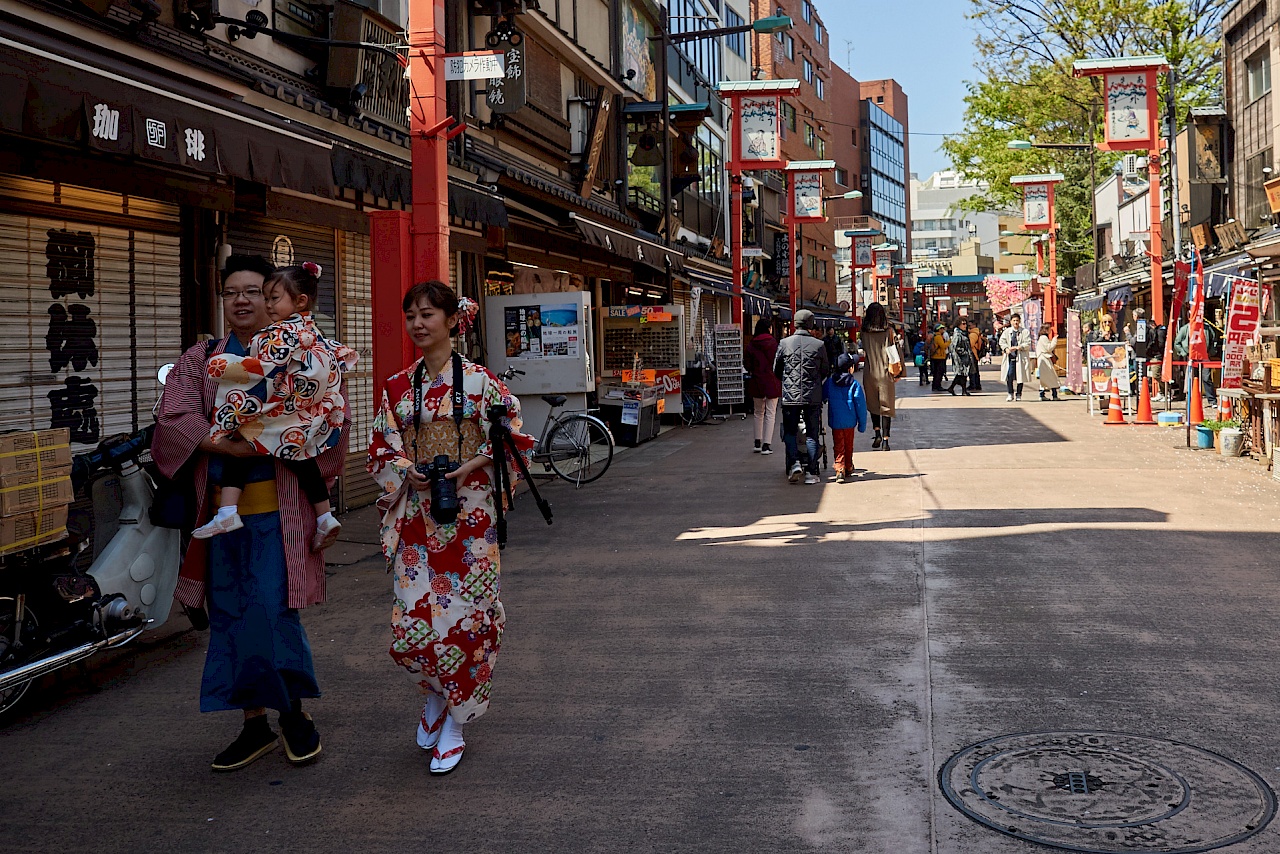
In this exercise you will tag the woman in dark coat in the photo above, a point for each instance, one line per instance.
(762, 385)
(963, 361)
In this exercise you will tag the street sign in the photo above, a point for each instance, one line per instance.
(474, 65)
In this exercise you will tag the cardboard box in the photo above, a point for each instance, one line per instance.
(34, 451)
(24, 491)
(31, 529)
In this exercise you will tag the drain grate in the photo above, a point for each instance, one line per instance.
(1099, 792)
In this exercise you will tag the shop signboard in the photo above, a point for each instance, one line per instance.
(758, 142)
(1075, 368)
(806, 197)
(1108, 360)
(669, 379)
(548, 331)
(474, 65)
(638, 51)
(884, 264)
(1036, 202)
(1032, 317)
(507, 93)
(1242, 329)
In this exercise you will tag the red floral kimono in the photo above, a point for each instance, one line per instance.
(446, 617)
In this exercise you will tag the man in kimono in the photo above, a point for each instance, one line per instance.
(252, 581)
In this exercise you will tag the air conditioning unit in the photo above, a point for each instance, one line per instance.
(1131, 165)
(361, 80)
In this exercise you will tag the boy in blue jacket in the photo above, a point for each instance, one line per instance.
(846, 411)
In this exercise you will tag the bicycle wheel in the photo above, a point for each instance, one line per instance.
(580, 448)
(701, 404)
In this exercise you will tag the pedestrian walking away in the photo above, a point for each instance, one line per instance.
(939, 345)
(846, 413)
(1015, 365)
(762, 385)
(297, 415)
(877, 378)
(920, 357)
(978, 346)
(253, 581)
(801, 366)
(439, 525)
(1047, 361)
(963, 363)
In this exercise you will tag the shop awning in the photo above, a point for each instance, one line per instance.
(1087, 302)
(628, 245)
(475, 205)
(108, 105)
(365, 173)
(756, 304)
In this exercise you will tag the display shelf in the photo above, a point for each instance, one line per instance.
(730, 388)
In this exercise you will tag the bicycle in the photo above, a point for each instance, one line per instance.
(695, 405)
(576, 445)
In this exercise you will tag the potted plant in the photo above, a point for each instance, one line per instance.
(1207, 432)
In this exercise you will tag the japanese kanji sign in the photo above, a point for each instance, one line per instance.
(506, 93)
(1242, 329)
(475, 65)
(1037, 200)
(862, 252)
(758, 128)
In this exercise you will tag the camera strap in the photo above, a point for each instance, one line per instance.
(459, 401)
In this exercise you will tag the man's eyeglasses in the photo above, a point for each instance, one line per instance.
(247, 293)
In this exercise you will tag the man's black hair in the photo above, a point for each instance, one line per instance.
(249, 263)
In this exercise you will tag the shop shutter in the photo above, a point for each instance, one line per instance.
(284, 243)
(356, 331)
(88, 314)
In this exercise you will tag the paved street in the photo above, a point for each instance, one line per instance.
(702, 657)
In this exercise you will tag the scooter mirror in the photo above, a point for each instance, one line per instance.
(163, 373)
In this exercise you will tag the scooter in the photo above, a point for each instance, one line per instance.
(109, 581)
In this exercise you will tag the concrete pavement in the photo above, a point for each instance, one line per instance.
(702, 657)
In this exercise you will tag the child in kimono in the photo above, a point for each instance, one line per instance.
(284, 398)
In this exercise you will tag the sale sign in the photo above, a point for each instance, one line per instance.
(1242, 329)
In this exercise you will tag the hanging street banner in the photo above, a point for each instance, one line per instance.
(884, 264)
(1032, 317)
(474, 65)
(1242, 329)
(759, 132)
(506, 93)
(862, 252)
(1035, 205)
(1075, 367)
(806, 197)
(1131, 108)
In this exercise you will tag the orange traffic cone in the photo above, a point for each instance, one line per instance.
(1226, 411)
(1115, 415)
(1197, 403)
(1144, 416)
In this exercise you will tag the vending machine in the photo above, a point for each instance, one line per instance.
(548, 336)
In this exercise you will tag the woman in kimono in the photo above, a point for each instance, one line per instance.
(446, 618)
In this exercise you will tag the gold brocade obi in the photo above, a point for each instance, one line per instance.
(441, 437)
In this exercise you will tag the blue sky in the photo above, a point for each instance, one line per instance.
(926, 45)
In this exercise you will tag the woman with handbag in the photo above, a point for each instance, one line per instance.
(1046, 362)
(442, 549)
(879, 373)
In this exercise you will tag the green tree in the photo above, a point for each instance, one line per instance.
(1025, 52)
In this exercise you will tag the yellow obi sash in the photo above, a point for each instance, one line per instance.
(258, 497)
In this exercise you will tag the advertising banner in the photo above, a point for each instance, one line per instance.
(1108, 360)
(758, 129)
(1130, 114)
(1242, 329)
(549, 331)
(884, 264)
(1032, 317)
(1075, 367)
(806, 197)
(862, 252)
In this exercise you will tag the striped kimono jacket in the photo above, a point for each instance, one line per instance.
(182, 422)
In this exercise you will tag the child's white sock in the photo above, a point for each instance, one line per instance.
(325, 516)
(229, 510)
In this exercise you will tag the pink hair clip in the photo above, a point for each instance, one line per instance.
(313, 268)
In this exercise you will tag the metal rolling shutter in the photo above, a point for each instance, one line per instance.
(82, 349)
(284, 243)
(356, 331)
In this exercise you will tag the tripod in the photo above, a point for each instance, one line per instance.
(502, 441)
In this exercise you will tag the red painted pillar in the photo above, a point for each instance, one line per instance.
(793, 277)
(408, 249)
(735, 248)
(1051, 292)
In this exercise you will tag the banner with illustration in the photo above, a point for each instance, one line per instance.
(806, 197)
(1075, 366)
(1130, 96)
(758, 141)
(1032, 317)
(1035, 206)
(548, 331)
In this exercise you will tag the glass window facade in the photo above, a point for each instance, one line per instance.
(738, 41)
(886, 157)
(704, 54)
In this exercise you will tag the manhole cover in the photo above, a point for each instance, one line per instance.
(1103, 792)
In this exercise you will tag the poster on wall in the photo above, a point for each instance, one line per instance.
(758, 141)
(1108, 360)
(806, 197)
(862, 252)
(1035, 206)
(1032, 317)
(1242, 329)
(1129, 96)
(550, 331)
(637, 51)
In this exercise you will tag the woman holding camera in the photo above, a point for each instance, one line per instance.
(427, 444)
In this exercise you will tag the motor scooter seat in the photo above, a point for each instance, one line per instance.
(555, 399)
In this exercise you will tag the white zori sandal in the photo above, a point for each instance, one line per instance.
(448, 750)
(432, 722)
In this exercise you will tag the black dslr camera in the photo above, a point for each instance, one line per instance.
(444, 491)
